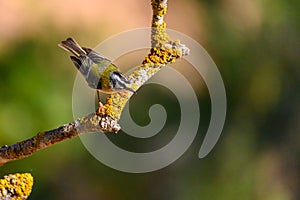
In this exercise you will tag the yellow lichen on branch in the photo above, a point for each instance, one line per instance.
(164, 51)
(159, 37)
(16, 186)
(152, 63)
(159, 7)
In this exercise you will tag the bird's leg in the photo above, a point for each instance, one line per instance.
(125, 93)
(98, 95)
(101, 109)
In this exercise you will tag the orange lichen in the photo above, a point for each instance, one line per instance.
(108, 106)
(161, 56)
(16, 186)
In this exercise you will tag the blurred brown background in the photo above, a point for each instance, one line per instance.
(254, 43)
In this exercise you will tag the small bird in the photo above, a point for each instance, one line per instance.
(99, 72)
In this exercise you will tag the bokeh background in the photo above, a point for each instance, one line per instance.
(256, 47)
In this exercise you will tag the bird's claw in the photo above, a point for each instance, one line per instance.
(101, 110)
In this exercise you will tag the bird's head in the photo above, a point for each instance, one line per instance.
(120, 82)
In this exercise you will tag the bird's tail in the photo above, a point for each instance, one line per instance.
(73, 47)
(80, 58)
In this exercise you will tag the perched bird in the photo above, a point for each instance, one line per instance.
(99, 72)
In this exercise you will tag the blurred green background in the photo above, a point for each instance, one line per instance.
(254, 43)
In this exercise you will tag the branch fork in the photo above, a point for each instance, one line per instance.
(164, 51)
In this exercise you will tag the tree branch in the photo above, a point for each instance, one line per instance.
(87, 124)
(164, 51)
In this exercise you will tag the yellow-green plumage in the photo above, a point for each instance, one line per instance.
(104, 74)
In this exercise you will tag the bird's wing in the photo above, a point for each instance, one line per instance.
(95, 56)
